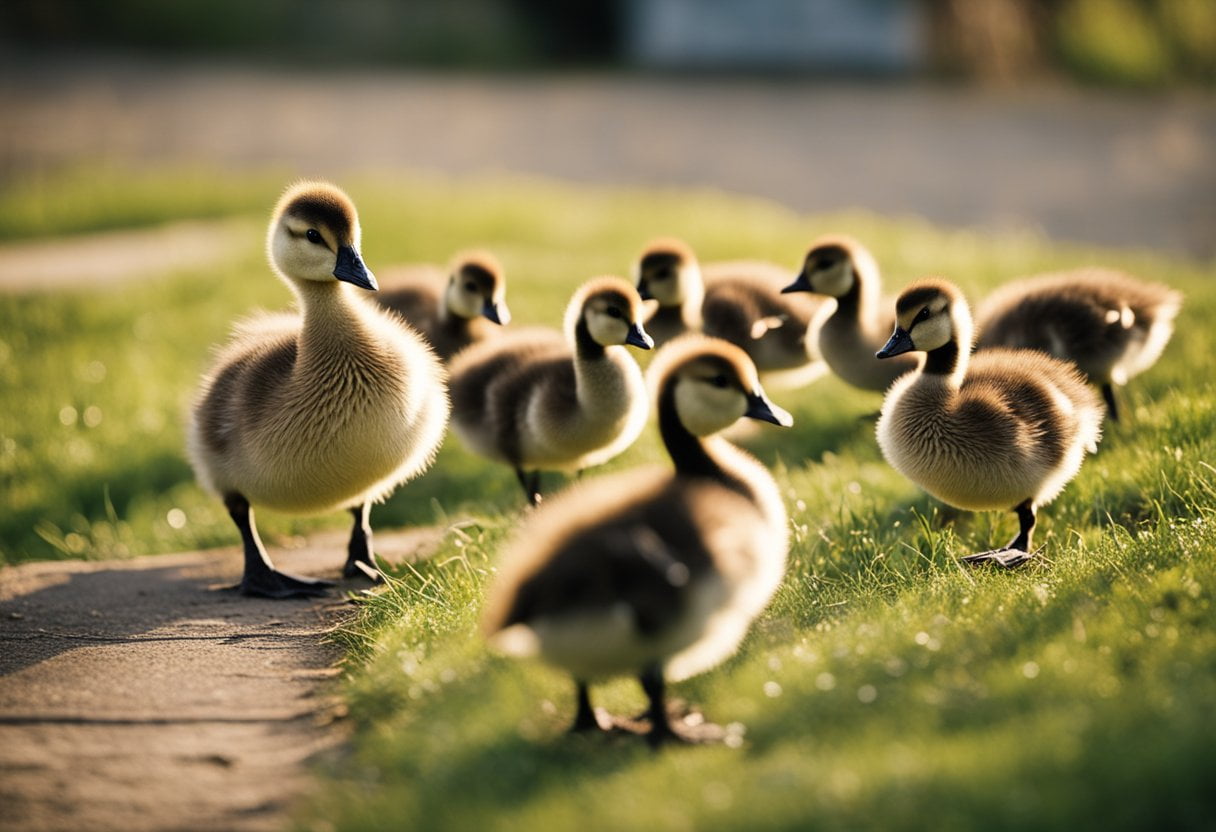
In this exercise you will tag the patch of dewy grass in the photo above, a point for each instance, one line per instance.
(1078, 695)
(885, 686)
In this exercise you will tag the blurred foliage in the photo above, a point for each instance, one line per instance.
(1130, 42)
(1126, 42)
(441, 33)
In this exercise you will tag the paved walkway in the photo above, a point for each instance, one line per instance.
(136, 696)
(1109, 167)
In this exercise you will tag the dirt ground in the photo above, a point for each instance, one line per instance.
(136, 695)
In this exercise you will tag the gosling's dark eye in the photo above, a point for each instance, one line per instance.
(923, 314)
(720, 381)
(614, 312)
(470, 286)
(314, 236)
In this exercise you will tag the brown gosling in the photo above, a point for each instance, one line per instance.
(739, 301)
(998, 430)
(468, 304)
(537, 401)
(842, 268)
(327, 409)
(653, 572)
(1111, 325)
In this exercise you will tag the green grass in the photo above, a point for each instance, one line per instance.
(884, 688)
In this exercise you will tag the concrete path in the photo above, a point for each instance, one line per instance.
(1108, 167)
(134, 695)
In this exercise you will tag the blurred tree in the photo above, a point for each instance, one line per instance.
(1000, 41)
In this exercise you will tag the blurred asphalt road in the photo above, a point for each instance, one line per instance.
(1116, 168)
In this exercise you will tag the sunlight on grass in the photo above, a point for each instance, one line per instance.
(885, 687)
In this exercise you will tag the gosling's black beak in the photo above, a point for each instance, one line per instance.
(644, 290)
(800, 284)
(638, 338)
(496, 312)
(900, 343)
(759, 407)
(350, 269)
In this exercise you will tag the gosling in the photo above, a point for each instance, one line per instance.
(653, 572)
(843, 269)
(1109, 324)
(739, 301)
(327, 409)
(527, 399)
(467, 305)
(998, 429)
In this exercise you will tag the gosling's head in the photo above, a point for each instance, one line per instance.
(612, 312)
(827, 269)
(667, 272)
(476, 286)
(712, 384)
(929, 314)
(314, 236)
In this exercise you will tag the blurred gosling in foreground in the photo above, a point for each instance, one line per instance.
(653, 572)
(1109, 324)
(527, 399)
(327, 409)
(841, 268)
(740, 301)
(998, 430)
(467, 305)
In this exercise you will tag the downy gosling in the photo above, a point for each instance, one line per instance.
(539, 401)
(467, 305)
(842, 268)
(327, 409)
(1109, 324)
(739, 301)
(998, 430)
(652, 572)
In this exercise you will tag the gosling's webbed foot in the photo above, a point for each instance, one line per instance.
(684, 725)
(594, 721)
(359, 568)
(691, 729)
(272, 583)
(1006, 558)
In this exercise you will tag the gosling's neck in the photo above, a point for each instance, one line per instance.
(948, 363)
(333, 322)
(448, 317)
(692, 286)
(857, 309)
(694, 456)
(945, 364)
(586, 348)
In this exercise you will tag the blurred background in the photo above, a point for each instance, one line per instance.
(1085, 120)
(1141, 42)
